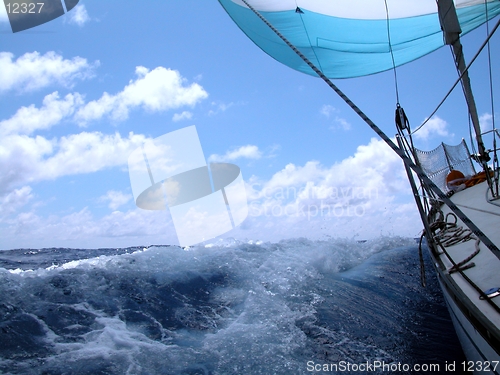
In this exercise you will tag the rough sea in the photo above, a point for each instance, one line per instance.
(231, 307)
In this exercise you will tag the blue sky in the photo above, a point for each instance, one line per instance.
(80, 93)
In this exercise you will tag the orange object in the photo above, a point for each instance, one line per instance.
(478, 178)
(455, 178)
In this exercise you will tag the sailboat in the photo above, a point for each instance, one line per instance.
(459, 208)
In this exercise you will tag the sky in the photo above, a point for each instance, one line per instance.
(80, 93)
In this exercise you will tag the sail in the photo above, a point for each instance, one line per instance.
(350, 38)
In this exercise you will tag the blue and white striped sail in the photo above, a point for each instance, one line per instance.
(350, 38)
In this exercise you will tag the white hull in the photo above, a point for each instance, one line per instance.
(476, 320)
(475, 348)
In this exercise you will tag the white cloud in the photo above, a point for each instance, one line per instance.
(157, 90)
(20, 157)
(435, 125)
(248, 152)
(369, 180)
(78, 15)
(16, 199)
(185, 115)
(272, 151)
(89, 152)
(219, 107)
(359, 196)
(28, 119)
(116, 199)
(486, 121)
(342, 123)
(33, 71)
(327, 110)
(28, 159)
(374, 174)
(348, 196)
(82, 229)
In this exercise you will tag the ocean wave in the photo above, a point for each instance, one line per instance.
(224, 307)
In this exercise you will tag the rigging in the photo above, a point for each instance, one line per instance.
(420, 173)
(458, 79)
(496, 163)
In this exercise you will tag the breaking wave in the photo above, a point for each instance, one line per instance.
(229, 307)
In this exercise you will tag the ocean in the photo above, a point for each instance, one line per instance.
(335, 306)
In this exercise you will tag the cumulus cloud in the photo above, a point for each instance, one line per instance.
(116, 199)
(15, 200)
(368, 181)
(28, 159)
(435, 126)
(185, 115)
(157, 90)
(357, 188)
(89, 152)
(29, 119)
(33, 71)
(247, 152)
(142, 92)
(313, 200)
(365, 195)
(352, 197)
(78, 15)
(82, 228)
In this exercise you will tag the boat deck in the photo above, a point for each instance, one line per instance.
(486, 272)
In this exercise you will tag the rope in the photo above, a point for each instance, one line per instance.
(459, 78)
(463, 264)
(482, 295)
(423, 280)
(448, 233)
(392, 53)
(418, 170)
(489, 69)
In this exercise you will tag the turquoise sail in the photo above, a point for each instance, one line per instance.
(350, 38)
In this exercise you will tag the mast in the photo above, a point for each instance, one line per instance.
(451, 31)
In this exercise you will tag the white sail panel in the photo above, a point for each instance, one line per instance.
(357, 9)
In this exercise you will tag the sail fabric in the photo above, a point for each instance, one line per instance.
(350, 38)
